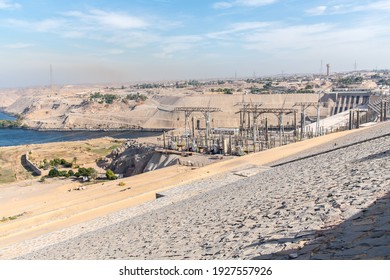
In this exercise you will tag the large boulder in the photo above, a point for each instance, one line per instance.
(128, 159)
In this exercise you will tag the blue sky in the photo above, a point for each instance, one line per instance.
(139, 40)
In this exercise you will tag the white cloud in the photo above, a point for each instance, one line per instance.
(19, 46)
(255, 3)
(133, 39)
(223, 5)
(319, 40)
(116, 51)
(287, 37)
(378, 5)
(109, 19)
(176, 44)
(241, 26)
(243, 3)
(348, 7)
(8, 5)
(72, 34)
(120, 29)
(317, 11)
(46, 25)
(184, 39)
(238, 27)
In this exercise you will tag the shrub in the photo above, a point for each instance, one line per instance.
(121, 184)
(110, 175)
(53, 172)
(88, 172)
(45, 164)
(137, 97)
(63, 173)
(55, 162)
(65, 163)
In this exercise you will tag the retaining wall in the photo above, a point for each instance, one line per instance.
(30, 166)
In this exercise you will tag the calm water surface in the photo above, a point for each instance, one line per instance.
(16, 136)
(4, 116)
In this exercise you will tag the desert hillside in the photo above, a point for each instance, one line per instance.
(131, 107)
(9, 96)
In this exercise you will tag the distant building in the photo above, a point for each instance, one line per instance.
(327, 69)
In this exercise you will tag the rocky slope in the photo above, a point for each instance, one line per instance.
(134, 158)
(9, 96)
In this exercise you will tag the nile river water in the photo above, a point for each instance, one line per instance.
(18, 136)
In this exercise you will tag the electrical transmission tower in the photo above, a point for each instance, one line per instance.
(187, 113)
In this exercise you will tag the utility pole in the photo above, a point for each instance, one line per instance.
(256, 112)
(187, 113)
(304, 106)
(250, 108)
(266, 132)
(358, 118)
(295, 124)
(51, 77)
(382, 115)
(318, 115)
(350, 125)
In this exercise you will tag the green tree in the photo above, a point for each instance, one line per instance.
(267, 85)
(87, 172)
(53, 172)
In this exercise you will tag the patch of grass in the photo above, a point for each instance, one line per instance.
(11, 218)
(101, 151)
(7, 176)
(113, 147)
(121, 184)
(105, 150)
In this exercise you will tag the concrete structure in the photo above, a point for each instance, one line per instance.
(28, 165)
(346, 100)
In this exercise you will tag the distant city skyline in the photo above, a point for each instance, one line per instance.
(126, 41)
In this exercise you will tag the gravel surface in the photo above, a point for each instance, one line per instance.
(361, 135)
(330, 206)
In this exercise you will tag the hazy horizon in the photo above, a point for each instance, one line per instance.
(103, 42)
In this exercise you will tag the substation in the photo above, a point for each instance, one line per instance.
(255, 133)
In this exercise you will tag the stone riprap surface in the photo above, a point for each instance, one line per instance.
(331, 206)
(168, 197)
